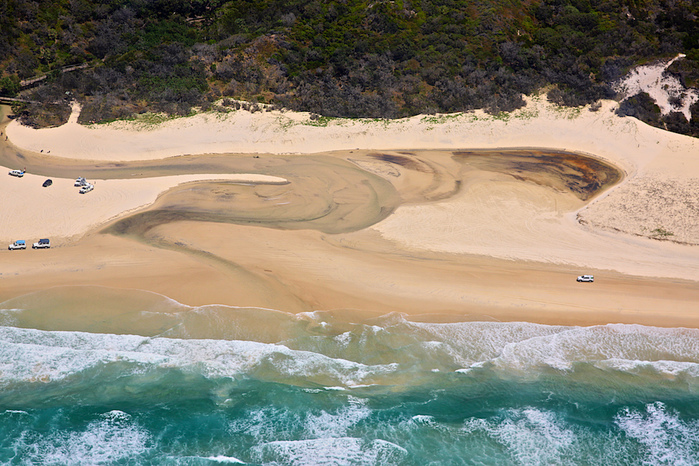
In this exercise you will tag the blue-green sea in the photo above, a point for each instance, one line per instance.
(92, 376)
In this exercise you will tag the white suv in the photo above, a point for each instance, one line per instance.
(586, 278)
(43, 243)
(19, 244)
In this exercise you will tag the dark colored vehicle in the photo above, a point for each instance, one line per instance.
(47, 183)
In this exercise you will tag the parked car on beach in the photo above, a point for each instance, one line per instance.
(586, 278)
(87, 188)
(47, 183)
(80, 182)
(43, 243)
(17, 173)
(19, 244)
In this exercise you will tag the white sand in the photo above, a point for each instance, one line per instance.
(537, 125)
(626, 142)
(513, 220)
(510, 220)
(59, 212)
(652, 80)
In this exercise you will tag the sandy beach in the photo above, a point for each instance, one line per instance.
(61, 212)
(441, 217)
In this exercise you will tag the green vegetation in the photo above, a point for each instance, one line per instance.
(438, 119)
(318, 120)
(337, 58)
(661, 233)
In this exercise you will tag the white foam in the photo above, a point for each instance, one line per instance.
(28, 355)
(423, 420)
(668, 369)
(537, 436)
(473, 425)
(613, 342)
(269, 424)
(343, 339)
(338, 424)
(9, 316)
(470, 343)
(14, 411)
(530, 435)
(265, 425)
(113, 439)
(666, 438)
(224, 459)
(333, 451)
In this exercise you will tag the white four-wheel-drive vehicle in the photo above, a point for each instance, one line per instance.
(17, 173)
(81, 182)
(586, 278)
(19, 244)
(42, 243)
(87, 188)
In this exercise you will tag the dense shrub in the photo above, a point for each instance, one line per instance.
(338, 58)
(641, 106)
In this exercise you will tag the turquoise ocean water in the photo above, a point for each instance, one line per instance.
(149, 381)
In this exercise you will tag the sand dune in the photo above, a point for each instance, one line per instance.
(624, 141)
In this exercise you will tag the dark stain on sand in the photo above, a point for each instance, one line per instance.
(406, 162)
(582, 175)
(324, 194)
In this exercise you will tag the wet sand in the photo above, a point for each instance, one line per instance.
(354, 275)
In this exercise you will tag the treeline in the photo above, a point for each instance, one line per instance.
(335, 57)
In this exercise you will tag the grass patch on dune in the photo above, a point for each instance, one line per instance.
(320, 121)
(661, 233)
(440, 119)
(145, 120)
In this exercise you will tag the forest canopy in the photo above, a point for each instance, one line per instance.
(351, 58)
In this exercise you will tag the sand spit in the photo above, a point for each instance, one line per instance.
(60, 212)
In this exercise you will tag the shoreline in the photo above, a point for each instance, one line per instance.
(471, 229)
